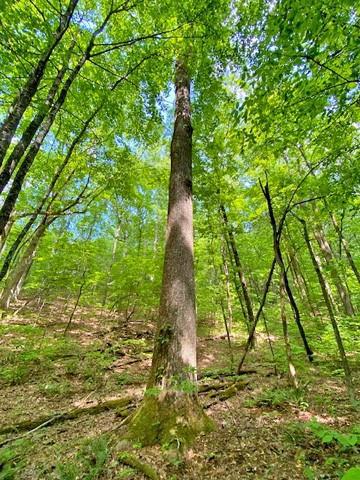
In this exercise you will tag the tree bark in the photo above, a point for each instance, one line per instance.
(22, 101)
(345, 246)
(258, 314)
(300, 282)
(229, 315)
(174, 412)
(325, 288)
(17, 277)
(291, 367)
(283, 272)
(30, 131)
(235, 281)
(329, 257)
(240, 271)
(15, 246)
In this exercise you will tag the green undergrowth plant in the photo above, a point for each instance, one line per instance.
(27, 352)
(12, 459)
(55, 387)
(89, 463)
(327, 435)
(279, 398)
(324, 451)
(130, 378)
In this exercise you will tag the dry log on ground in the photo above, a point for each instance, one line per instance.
(47, 420)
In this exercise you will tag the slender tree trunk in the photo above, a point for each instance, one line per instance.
(325, 288)
(22, 101)
(330, 260)
(257, 293)
(16, 186)
(235, 282)
(258, 314)
(175, 412)
(15, 246)
(227, 330)
(240, 271)
(112, 262)
(225, 269)
(283, 272)
(4, 236)
(300, 282)
(291, 367)
(17, 277)
(30, 131)
(345, 246)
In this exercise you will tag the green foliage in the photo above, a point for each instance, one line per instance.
(129, 379)
(11, 459)
(89, 462)
(328, 435)
(352, 474)
(279, 397)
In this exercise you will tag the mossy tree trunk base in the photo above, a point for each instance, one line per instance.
(172, 418)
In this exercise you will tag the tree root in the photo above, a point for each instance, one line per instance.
(142, 467)
(123, 406)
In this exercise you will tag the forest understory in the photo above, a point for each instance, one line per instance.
(263, 428)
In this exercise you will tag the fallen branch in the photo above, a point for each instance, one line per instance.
(224, 374)
(231, 391)
(45, 421)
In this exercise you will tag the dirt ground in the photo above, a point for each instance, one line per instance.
(265, 431)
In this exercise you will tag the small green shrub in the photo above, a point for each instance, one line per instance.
(11, 460)
(328, 435)
(129, 379)
(352, 474)
(15, 374)
(278, 397)
(88, 464)
(55, 388)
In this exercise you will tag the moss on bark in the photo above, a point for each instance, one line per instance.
(170, 418)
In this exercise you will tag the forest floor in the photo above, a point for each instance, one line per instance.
(264, 431)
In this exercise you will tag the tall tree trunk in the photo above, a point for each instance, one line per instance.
(5, 234)
(30, 131)
(345, 246)
(22, 101)
(15, 246)
(174, 412)
(225, 269)
(283, 272)
(291, 367)
(257, 293)
(325, 288)
(300, 282)
(17, 277)
(240, 271)
(112, 262)
(235, 281)
(330, 260)
(258, 314)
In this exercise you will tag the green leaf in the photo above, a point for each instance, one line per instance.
(327, 438)
(352, 474)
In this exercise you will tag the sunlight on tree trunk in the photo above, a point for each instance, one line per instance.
(170, 411)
